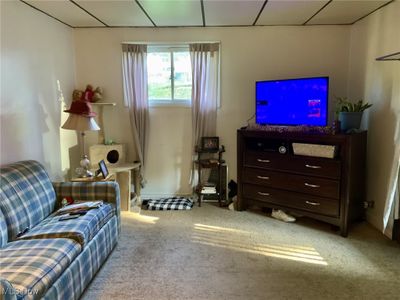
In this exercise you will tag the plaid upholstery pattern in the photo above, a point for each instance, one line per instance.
(33, 266)
(7, 292)
(82, 229)
(107, 191)
(175, 203)
(26, 196)
(3, 230)
(74, 280)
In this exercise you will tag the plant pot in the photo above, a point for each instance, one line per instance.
(350, 120)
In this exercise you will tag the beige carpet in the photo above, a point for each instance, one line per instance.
(213, 253)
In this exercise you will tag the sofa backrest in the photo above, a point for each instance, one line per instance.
(3, 230)
(26, 196)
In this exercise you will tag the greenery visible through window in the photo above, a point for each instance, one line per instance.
(169, 75)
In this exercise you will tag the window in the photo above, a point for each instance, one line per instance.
(169, 75)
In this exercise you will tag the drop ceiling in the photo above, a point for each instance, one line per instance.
(205, 13)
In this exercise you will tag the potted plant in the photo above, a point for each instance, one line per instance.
(349, 114)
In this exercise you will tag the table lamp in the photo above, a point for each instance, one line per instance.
(81, 119)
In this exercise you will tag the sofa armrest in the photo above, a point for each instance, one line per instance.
(107, 191)
(7, 292)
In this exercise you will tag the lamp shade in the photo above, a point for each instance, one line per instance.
(80, 123)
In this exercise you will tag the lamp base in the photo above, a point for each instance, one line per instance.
(84, 171)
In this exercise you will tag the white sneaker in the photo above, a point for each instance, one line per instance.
(281, 215)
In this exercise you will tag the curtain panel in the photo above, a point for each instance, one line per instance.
(134, 72)
(205, 87)
(205, 62)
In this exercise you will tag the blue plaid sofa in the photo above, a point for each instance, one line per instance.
(42, 257)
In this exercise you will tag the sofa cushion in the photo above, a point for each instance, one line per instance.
(7, 291)
(82, 229)
(33, 266)
(26, 196)
(3, 230)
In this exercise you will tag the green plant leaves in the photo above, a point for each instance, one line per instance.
(343, 104)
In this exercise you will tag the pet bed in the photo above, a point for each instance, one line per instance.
(175, 203)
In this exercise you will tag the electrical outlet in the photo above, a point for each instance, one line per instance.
(369, 204)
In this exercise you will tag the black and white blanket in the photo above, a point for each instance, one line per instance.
(175, 203)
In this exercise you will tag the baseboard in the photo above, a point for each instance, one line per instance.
(374, 220)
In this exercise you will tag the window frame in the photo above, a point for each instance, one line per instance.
(171, 49)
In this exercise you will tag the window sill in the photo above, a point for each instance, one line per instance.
(167, 103)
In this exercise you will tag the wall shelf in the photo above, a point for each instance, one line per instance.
(103, 103)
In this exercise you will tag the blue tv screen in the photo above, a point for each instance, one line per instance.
(302, 101)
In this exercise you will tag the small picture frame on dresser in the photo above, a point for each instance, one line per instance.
(210, 143)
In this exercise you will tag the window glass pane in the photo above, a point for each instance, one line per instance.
(182, 76)
(159, 75)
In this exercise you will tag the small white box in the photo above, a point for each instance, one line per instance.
(327, 151)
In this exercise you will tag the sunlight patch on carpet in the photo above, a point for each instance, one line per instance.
(140, 218)
(217, 228)
(238, 240)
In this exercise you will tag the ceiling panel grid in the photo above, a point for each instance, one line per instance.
(188, 13)
(117, 13)
(66, 11)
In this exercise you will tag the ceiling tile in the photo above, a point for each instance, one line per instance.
(345, 11)
(174, 12)
(231, 12)
(289, 12)
(117, 13)
(65, 11)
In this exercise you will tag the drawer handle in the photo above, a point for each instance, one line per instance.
(311, 185)
(263, 177)
(313, 203)
(313, 167)
(263, 194)
(263, 160)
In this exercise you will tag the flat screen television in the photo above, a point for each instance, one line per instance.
(301, 101)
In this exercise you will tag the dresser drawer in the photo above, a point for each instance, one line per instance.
(322, 167)
(329, 207)
(298, 183)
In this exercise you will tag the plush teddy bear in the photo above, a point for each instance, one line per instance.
(98, 94)
(88, 95)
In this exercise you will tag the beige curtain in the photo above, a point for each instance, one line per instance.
(205, 91)
(134, 71)
(205, 61)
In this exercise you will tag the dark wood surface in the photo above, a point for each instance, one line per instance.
(326, 206)
(396, 230)
(293, 182)
(327, 189)
(209, 163)
(297, 164)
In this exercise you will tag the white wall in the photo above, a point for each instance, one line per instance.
(378, 83)
(37, 51)
(248, 54)
(36, 54)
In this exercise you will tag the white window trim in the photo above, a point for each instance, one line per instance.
(169, 102)
(165, 103)
(179, 45)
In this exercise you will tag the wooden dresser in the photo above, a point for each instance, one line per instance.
(327, 189)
